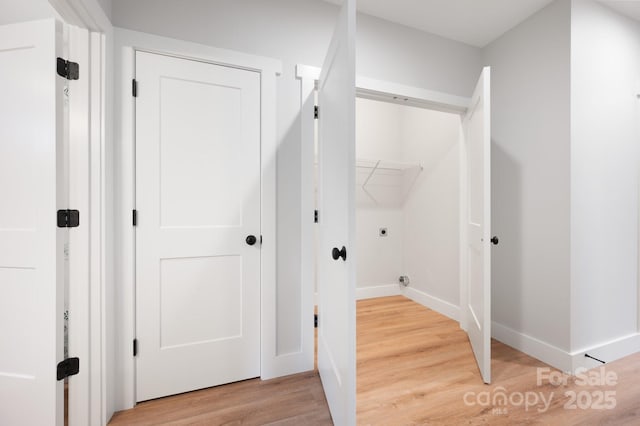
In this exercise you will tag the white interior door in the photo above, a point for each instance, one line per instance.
(477, 307)
(336, 231)
(31, 244)
(198, 225)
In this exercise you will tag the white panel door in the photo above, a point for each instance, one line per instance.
(198, 233)
(336, 231)
(477, 308)
(31, 269)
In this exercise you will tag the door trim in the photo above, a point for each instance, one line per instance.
(88, 283)
(371, 89)
(268, 70)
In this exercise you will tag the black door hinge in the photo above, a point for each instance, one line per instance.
(134, 88)
(315, 112)
(135, 347)
(68, 218)
(67, 69)
(135, 217)
(315, 216)
(315, 320)
(68, 367)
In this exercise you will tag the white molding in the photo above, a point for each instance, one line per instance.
(307, 225)
(80, 240)
(441, 306)
(463, 225)
(533, 347)
(268, 288)
(124, 198)
(126, 44)
(569, 362)
(607, 351)
(371, 292)
(97, 158)
(89, 399)
(307, 72)
(387, 91)
(195, 51)
(86, 14)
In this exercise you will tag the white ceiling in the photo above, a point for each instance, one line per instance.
(630, 8)
(474, 22)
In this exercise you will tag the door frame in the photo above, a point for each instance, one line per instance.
(375, 90)
(268, 69)
(89, 120)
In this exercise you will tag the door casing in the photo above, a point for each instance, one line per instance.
(382, 91)
(270, 364)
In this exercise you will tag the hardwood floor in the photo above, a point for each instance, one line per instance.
(415, 367)
(293, 400)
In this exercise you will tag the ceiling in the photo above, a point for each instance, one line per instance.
(630, 8)
(474, 22)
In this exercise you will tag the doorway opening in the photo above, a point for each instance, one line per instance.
(408, 204)
(407, 209)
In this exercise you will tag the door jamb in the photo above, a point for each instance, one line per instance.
(268, 70)
(90, 117)
(376, 90)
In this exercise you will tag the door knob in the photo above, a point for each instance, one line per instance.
(495, 240)
(251, 240)
(337, 254)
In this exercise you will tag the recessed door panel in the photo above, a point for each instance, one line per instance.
(199, 154)
(200, 301)
(31, 244)
(198, 198)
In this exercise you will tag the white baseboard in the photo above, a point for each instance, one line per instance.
(608, 351)
(565, 361)
(445, 308)
(531, 346)
(371, 292)
(377, 291)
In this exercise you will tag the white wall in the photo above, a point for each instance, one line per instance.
(431, 213)
(12, 11)
(378, 130)
(530, 95)
(378, 137)
(379, 258)
(299, 31)
(605, 78)
(423, 223)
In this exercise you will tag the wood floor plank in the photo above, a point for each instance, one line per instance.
(415, 367)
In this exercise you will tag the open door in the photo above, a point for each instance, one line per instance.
(477, 307)
(336, 219)
(31, 243)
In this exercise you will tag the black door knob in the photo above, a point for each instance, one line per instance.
(337, 254)
(251, 240)
(495, 240)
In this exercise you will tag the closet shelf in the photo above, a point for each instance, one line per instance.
(386, 182)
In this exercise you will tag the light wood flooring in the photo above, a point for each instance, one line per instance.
(415, 367)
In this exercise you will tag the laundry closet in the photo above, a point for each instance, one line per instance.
(408, 203)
